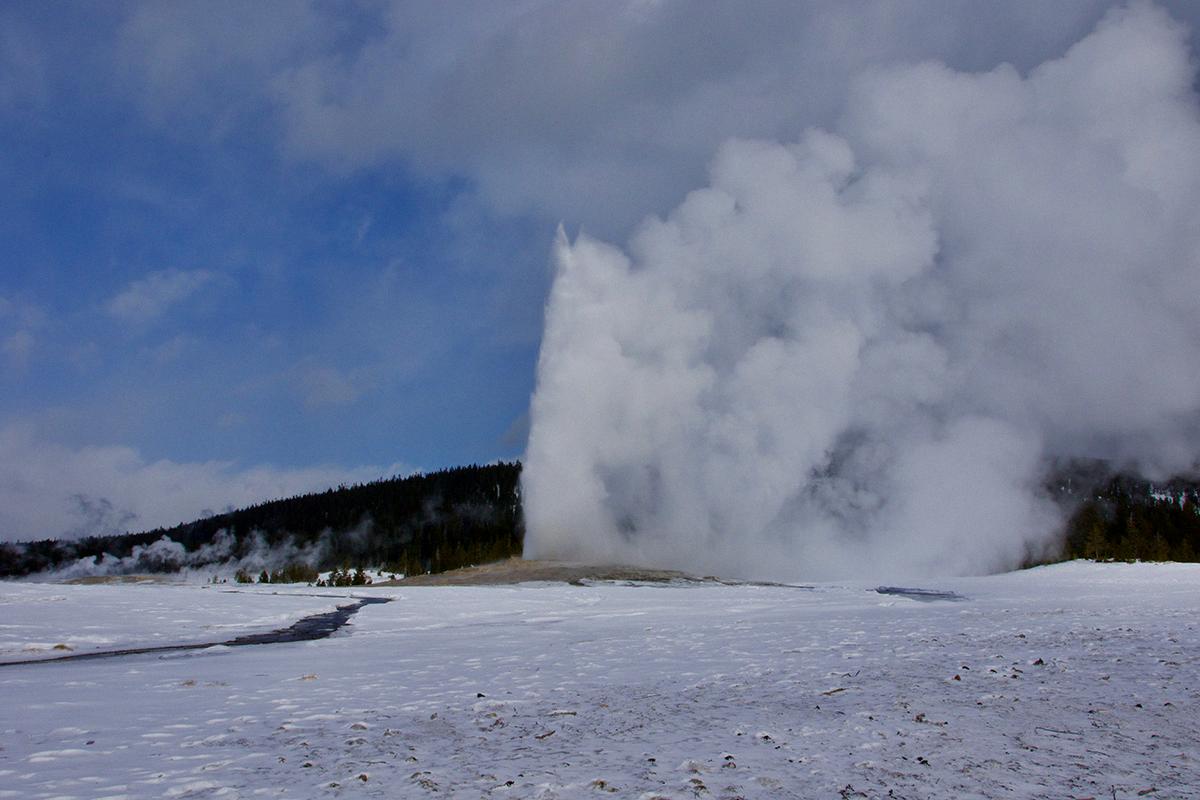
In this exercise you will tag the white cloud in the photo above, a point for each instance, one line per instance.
(592, 113)
(202, 59)
(148, 298)
(589, 113)
(171, 350)
(51, 490)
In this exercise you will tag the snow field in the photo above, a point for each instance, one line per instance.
(1076, 681)
(42, 620)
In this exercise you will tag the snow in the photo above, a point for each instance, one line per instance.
(42, 620)
(1078, 680)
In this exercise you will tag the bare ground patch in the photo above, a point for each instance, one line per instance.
(519, 570)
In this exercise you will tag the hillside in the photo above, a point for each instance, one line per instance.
(1115, 515)
(421, 523)
(457, 517)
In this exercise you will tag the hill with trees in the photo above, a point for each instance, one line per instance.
(1115, 515)
(420, 523)
(471, 515)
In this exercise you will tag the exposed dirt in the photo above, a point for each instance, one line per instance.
(509, 571)
(150, 577)
(519, 570)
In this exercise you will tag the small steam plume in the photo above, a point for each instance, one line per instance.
(853, 354)
(224, 556)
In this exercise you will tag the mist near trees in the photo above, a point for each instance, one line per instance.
(412, 525)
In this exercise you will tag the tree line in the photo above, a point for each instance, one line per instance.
(407, 525)
(1115, 515)
(471, 515)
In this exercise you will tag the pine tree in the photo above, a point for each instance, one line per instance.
(1096, 546)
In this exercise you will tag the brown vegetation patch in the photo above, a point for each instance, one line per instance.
(153, 577)
(519, 570)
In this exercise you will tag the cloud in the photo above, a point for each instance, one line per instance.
(22, 319)
(594, 114)
(517, 432)
(326, 386)
(597, 115)
(851, 353)
(51, 490)
(17, 349)
(203, 59)
(230, 419)
(170, 351)
(148, 298)
(21, 313)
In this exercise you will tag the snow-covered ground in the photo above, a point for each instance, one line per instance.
(43, 620)
(1078, 680)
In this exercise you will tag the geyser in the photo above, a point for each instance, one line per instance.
(852, 354)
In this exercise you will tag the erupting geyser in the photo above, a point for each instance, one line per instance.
(852, 354)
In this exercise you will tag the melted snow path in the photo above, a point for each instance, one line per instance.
(40, 621)
(1073, 681)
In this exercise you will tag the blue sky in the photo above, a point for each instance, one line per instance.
(258, 248)
(203, 297)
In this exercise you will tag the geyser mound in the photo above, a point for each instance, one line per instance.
(852, 354)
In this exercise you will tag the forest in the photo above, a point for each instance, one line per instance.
(1117, 516)
(404, 525)
(471, 515)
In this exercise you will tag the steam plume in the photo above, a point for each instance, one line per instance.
(224, 555)
(851, 354)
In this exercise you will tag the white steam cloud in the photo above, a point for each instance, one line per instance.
(224, 556)
(852, 354)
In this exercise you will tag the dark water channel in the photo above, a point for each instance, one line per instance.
(924, 595)
(317, 626)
